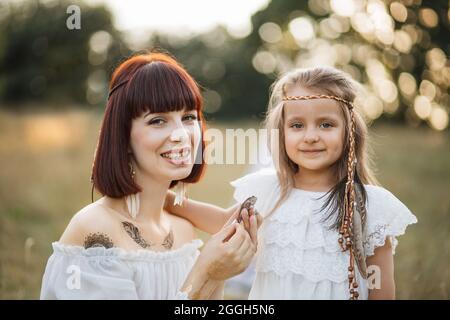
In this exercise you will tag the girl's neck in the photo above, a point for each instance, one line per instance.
(315, 180)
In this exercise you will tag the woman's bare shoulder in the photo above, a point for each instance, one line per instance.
(90, 226)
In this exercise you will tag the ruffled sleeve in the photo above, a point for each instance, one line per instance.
(263, 184)
(387, 217)
(71, 275)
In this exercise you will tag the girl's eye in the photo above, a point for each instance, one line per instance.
(326, 125)
(156, 121)
(297, 125)
(190, 117)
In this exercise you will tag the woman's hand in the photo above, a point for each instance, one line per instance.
(231, 250)
(226, 254)
(246, 215)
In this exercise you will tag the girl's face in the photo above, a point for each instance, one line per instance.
(314, 131)
(164, 145)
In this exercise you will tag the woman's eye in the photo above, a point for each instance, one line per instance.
(157, 121)
(326, 125)
(190, 117)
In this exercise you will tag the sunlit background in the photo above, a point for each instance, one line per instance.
(54, 84)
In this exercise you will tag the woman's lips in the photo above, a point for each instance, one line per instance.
(178, 157)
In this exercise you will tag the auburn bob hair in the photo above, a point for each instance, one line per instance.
(152, 82)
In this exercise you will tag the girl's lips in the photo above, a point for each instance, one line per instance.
(312, 152)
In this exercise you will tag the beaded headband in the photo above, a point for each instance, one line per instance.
(347, 239)
(318, 96)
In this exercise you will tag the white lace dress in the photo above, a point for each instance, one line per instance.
(299, 257)
(73, 272)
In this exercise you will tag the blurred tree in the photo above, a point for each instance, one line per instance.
(397, 49)
(222, 66)
(41, 59)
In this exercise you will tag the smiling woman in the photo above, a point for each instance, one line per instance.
(139, 92)
(126, 245)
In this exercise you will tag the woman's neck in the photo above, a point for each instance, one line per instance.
(151, 200)
(315, 180)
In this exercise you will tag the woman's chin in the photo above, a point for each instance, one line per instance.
(180, 173)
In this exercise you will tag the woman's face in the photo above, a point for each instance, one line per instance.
(314, 131)
(164, 145)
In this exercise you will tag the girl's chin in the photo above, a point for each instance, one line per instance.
(312, 166)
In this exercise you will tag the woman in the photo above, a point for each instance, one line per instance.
(125, 245)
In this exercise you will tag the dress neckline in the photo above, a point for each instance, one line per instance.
(138, 254)
(309, 191)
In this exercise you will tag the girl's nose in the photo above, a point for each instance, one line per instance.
(311, 136)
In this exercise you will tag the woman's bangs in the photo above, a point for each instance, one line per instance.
(159, 87)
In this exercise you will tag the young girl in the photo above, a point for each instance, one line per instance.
(329, 231)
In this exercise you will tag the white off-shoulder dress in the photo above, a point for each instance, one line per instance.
(73, 272)
(298, 256)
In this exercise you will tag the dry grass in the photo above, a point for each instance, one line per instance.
(46, 161)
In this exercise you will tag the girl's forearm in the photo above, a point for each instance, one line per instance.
(206, 217)
(383, 263)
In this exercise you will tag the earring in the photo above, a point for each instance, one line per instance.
(132, 200)
(180, 193)
(132, 172)
(133, 204)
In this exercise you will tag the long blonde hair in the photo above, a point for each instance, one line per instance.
(329, 81)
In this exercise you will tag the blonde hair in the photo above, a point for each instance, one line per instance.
(321, 80)
(352, 169)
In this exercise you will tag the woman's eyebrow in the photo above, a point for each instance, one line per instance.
(153, 114)
(156, 114)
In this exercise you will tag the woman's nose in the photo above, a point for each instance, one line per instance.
(179, 134)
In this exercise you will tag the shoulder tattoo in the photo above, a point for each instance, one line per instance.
(98, 240)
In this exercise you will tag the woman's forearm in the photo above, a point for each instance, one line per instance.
(206, 217)
(199, 286)
(219, 292)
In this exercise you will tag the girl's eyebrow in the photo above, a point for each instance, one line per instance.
(322, 117)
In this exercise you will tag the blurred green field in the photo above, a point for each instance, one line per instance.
(46, 161)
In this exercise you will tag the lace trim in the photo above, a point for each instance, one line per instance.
(187, 249)
(397, 227)
(305, 235)
(315, 265)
